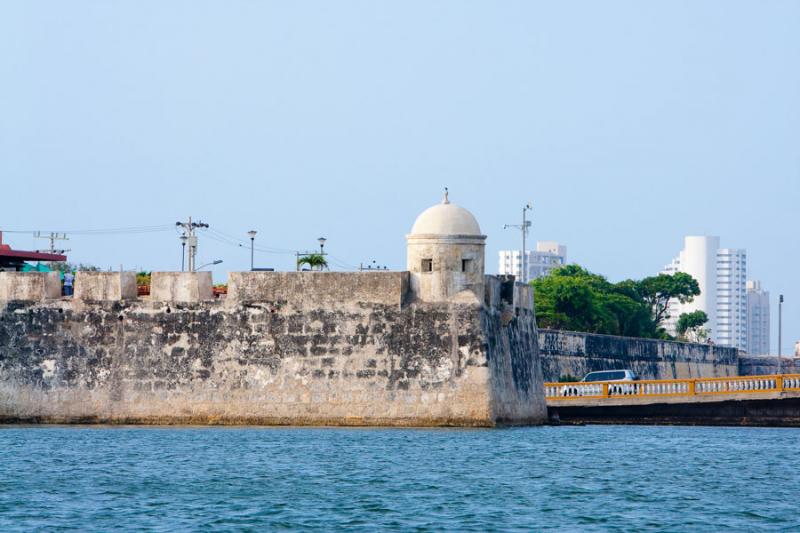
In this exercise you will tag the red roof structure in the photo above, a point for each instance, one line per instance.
(15, 258)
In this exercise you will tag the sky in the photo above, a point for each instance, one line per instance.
(627, 124)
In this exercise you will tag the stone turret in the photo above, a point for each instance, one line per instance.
(446, 255)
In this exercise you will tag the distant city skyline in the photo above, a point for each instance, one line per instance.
(758, 318)
(543, 259)
(721, 274)
(627, 125)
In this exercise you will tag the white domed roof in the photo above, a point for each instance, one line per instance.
(446, 219)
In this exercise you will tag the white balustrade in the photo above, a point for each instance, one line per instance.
(687, 387)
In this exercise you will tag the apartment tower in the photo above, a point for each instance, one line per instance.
(721, 274)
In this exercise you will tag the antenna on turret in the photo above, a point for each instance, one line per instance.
(446, 200)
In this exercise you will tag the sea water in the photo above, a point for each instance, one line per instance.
(590, 478)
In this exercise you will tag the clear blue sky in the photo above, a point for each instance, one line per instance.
(628, 124)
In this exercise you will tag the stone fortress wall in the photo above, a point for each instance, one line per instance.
(760, 365)
(283, 348)
(569, 353)
(439, 344)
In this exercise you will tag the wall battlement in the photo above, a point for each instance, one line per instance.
(105, 286)
(29, 286)
(308, 289)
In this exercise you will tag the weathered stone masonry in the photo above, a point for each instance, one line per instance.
(441, 344)
(272, 361)
(569, 353)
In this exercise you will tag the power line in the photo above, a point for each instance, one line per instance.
(240, 243)
(238, 240)
(53, 237)
(107, 231)
(338, 261)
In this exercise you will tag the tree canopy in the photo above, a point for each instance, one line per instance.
(690, 325)
(573, 298)
(657, 291)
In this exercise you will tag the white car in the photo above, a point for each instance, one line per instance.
(590, 384)
(614, 376)
(610, 375)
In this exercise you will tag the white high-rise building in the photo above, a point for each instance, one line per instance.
(540, 262)
(757, 319)
(721, 274)
(732, 297)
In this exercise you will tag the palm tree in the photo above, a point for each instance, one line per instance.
(314, 261)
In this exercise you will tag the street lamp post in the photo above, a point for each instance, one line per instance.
(780, 327)
(525, 224)
(215, 262)
(321, 242)
(524, 228)
(252, 235)
(183, 252)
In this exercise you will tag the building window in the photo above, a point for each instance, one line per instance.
(466, 265)
(427, 265)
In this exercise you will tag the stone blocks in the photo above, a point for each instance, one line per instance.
(181, 287)
(575, 354)
(105, 286)
(310, 289)
(210, 363)
(30, 286)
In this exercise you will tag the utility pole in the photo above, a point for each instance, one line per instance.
(524, 229)
(191, 239)
(53, 237)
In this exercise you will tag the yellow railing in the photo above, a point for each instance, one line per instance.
(673, 387)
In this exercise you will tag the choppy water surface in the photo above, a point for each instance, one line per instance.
(566, 478)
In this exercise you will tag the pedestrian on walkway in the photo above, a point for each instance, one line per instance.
(69, 279)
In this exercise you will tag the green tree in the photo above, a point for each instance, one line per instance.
(575, 299)
(690, 325)
(563, 302)
(657, 291)
(314, 261)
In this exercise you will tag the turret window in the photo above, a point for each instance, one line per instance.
(427, 265)
(466, 265)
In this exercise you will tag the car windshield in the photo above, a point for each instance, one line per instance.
(605, 376)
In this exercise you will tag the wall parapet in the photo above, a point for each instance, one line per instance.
(313, 289)
(105, 286)
(504, 289)
(30, 286)
(183, 287)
